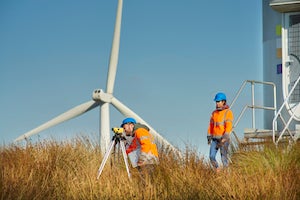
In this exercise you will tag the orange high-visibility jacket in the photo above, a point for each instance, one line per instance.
(143, 140)
(220, 125)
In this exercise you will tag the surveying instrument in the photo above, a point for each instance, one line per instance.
(118, 139)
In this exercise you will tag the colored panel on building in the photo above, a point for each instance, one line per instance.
(279, 53)
(279, 69)
(278, 29)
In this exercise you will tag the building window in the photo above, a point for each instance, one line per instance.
(294, 53)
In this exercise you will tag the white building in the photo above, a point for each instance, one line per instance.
(281, 62)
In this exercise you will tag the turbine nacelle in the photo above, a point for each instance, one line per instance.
(100, 95)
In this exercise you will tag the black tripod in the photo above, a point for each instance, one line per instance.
(117, 139)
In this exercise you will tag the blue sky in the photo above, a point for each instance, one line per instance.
(174, 57)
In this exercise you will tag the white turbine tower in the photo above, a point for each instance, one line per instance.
(102, 99)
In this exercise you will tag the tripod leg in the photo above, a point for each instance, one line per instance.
(116, 152)
(105, 158)
(125, 158)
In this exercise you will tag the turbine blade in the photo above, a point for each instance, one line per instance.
(72, 113)
(112, 70)
(129, 113)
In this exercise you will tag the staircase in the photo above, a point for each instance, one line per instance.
(253, 135)
(294, 135)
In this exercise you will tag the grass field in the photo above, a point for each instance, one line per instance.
(68, 170)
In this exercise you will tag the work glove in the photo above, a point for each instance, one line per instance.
(142, 159)
(208, 140)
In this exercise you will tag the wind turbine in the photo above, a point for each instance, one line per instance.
(102, 99)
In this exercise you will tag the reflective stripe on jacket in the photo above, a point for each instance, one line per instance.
(220, 125)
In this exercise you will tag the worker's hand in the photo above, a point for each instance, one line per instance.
(208, 140)
(221, 142)
(142, 159)
(140, 163)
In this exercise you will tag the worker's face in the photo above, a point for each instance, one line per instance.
(128, 128)
(220, 104)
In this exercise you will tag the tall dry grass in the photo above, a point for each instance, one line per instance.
(68, 170)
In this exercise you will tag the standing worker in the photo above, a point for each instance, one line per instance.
(219, 129)
(142, 144)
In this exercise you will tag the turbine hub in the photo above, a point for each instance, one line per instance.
(100, 95)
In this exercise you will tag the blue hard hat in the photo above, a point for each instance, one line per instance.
(128, 120)
(220, 97)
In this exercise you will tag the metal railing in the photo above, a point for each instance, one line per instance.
(253, 106)
(278, 115)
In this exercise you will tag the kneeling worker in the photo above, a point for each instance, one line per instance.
(142, 144)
